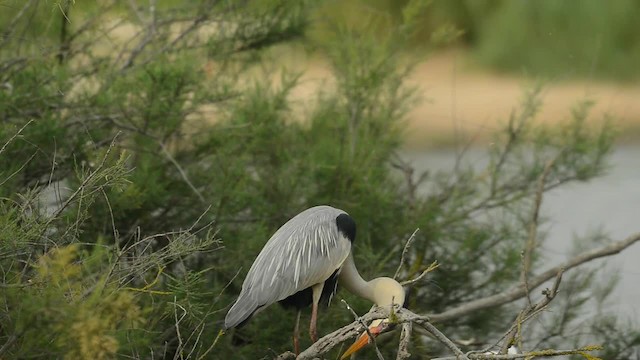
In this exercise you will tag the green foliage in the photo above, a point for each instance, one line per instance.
(556, 39)
(560, 39)
(64, 308)
(122, 169)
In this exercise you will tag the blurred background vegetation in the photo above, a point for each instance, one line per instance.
(149, 149)
(558, 39)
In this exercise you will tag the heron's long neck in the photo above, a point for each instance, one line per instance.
(353, 282)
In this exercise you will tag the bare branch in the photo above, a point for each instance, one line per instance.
(329, 341)
(177, 326)
(531, 243)
(18, 170)
(525, 315)
(366, 328)
(195, 25)
(11, 28)
(82, 186)
(12, 339)
(404, 316)
(15, 135)
(401, 316)
(443, 339)
(135, 9)
(181, 171)
(434, 265)
(408, 171)
(528, 355)
(518, 291)
(286, 356)
(405, 250)
(405, 337)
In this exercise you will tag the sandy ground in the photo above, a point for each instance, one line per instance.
(462, 103)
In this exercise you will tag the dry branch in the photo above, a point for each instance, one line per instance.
(518, 291)
(405, 250)
(434, 265)
(529, 355)
(371, 337)
(531, 242)
(402, 316)
(406, 318)
(15, 135)
(328, 342)
(403, 346)
(442, 338)
(528, 313)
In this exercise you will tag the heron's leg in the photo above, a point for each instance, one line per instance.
(317, 291)
(313, 332)
(296, 334)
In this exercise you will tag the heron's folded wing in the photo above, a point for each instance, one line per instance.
(303, 252)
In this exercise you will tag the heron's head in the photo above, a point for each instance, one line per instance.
(386, 293)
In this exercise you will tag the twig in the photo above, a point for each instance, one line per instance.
(528, 355)
(147, 287)
(405, 337)
(527, 314)
(149, 36)
(152, 14)
(405, 250)
(181, 171)
(12, 339)
(531, 242)
(116, 234)
(407, 171)
(177, 326)
(197, 22)
(221, 332)
(134, 8)
(516, 126)
(15, 135)
(434, 265)
(517, 291)
(15, 286)
(286, 356)
(329, 341)
(65, 43)
(18, 170)
(366, 328)
(150, 32)
(11, 28)
(82, 186)
(197, 341)
(443, 339)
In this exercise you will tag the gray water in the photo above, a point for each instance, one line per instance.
(609, 204)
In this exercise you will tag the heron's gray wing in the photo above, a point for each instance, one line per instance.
(303, 252)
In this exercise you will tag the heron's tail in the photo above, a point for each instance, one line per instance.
(240, 312)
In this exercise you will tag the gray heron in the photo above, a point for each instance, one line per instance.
(301, 265)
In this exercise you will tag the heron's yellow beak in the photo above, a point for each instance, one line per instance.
(376, 328)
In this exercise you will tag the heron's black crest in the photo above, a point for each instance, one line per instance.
(346, 226)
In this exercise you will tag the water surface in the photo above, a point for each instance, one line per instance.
(610, 204)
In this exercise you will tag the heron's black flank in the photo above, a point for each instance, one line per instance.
(299, 300)
(304, 298)
(346, 226)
